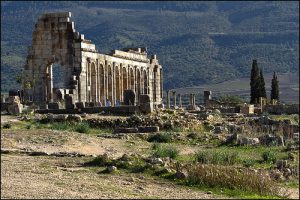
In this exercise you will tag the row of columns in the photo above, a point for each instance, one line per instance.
(192, 99)
(174, 99)
(109, 82)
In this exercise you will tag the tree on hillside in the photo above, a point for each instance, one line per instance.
(254, 83)
(275, 88)
(262, 88)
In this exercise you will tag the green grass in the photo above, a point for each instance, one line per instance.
(166, 150)
(217, 157)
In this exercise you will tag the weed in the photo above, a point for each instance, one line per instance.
(248, 162)
(269, 156)
(160, 137)
(7, 126)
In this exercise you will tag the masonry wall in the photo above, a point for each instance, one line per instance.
(88, 75)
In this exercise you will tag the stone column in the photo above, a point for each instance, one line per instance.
(194, 100)
(114, 85)
(191, 99)
(50, 74)
(174, 98)
(168, 98)
(180, 102)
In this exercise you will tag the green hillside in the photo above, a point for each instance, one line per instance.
(196, 42)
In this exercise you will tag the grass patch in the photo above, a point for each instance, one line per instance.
(216, 157)
(7, 126)
(269, 156)
(82, 127)
(162, 151)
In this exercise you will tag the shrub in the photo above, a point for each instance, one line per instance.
(162, 151)
(28, 126)
(231, 178)
(7, 126)
(269, 156)
(82, 127)
(248, 162)
(192, 135)
(160, 137)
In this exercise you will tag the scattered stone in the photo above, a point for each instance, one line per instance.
(111, 169)
(74, 118)
(181, 174)
(158, 161)
(281, 164)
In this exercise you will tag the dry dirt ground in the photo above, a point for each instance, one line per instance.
(24, 176)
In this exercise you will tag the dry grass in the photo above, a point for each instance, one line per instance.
(232, 178)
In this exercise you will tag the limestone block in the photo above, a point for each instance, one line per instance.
(146, 107)
(148, 129)
(129, 97)
(80, 105)
(15, 108)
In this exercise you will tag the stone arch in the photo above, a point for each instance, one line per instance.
(118, 87)
(145, 84)
(102, 97)
(131, 78)
(138, 83)
(109, 84)
(41, 55)
(53, 80)
(125, 79)
(93, 82)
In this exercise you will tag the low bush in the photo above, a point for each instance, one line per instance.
(162, 151)
(7, 126)
(160, 137)
(216, 157)
(231, 178)
(248, 162)
(269, 156)
(82, 127)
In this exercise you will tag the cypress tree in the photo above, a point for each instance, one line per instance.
(254, 83)
(275, 88)
(262, 88)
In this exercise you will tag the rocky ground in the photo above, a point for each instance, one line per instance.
(51, 176)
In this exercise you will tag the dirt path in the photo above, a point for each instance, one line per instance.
(47, 177)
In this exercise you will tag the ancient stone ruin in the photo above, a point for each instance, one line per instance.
(89, 77)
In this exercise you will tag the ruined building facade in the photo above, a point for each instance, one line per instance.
(88, 76)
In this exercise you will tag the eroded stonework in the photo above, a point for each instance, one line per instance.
(88, 75)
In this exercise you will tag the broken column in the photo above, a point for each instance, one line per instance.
(168, 98)
(207, 97)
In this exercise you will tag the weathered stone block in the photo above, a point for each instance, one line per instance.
(129, 97)
(148, 129)
(126, 130)
(80, 105)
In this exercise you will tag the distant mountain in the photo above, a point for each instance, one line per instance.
(196, 42)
